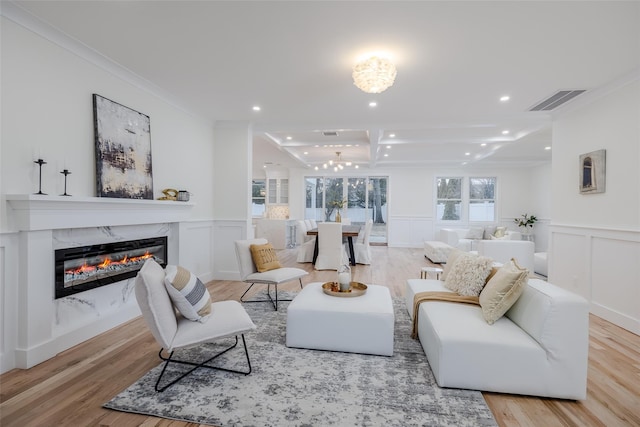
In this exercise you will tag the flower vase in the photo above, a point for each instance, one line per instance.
(338, 217)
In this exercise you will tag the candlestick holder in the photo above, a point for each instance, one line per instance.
(40, 162)
(65, 172)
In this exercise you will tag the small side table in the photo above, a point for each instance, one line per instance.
(424, 273)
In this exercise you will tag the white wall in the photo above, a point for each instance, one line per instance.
(47, 85)
(595, 238)
(47, 110)
(411, 198)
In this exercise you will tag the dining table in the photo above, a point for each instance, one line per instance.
(348, 232)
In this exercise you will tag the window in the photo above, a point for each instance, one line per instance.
(466, 199)
(449, 202)
(482, 199)
(258, 193)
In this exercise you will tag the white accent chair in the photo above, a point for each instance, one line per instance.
(228, 319)
(363, 249)
(306, 244)
(331, 252)
(249, 273)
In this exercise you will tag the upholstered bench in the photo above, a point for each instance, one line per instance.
(437, 251)
(363, 324)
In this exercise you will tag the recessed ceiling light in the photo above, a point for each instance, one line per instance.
(467, 154)
(256, 108)
(386, 155)
(392, 135)
(388, 147)
(317, 146)
(289, 138)
(505, 132)
(464, 163)
(547, 148)
(505, 98)
(373, 104)
(357, 167)
(316, 168)
(306, 152)
(484, 144)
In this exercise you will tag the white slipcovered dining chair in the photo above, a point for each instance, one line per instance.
(249, 273)
(331, 252)
(362, 249)
(306, 244)
(172, 331)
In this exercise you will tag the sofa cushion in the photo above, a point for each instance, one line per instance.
(264, 257)
(468, 273)
(502, 291)
(488, 232)
(475, 233)
(188, 294)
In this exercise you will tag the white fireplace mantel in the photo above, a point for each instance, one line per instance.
(32, 212)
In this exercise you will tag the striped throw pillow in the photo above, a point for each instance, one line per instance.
(188, 294)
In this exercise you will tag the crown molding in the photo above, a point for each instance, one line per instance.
(20, 16)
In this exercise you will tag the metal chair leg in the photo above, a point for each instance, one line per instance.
(204, 364)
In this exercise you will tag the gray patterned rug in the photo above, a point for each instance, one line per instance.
(295, 387)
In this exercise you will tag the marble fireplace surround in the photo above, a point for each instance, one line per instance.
(47, 326)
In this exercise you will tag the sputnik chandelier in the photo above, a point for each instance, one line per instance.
(337, 163)
(374, 74)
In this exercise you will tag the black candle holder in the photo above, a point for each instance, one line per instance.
(40, 162)
(65, 172)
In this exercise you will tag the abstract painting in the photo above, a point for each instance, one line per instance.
(123, 151)
(592, 172)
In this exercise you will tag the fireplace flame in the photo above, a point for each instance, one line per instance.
(108, 262)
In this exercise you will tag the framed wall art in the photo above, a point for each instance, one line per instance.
(123, 151)
(592, 172)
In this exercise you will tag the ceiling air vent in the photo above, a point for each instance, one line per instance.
(330, 133)
(556, 100)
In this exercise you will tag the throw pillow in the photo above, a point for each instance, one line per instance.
(451, 259)
(264, 257)
(475, 233)
(188, 294)
(488, 232)
(500, 232)
(468, 274)
(502, 291)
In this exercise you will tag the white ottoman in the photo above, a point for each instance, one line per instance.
(361, 324)
(437, 251)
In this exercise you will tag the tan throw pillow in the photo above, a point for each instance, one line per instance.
(451, 259)
(468, 274)
(264, 257)
(502, 291)
(188, 294)
(500, 232)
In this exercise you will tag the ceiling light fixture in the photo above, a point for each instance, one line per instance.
(337, 163)
(505, 98)
(374, 74)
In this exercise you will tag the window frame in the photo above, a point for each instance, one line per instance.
(465, 202)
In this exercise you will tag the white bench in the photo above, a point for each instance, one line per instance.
(363, 324)
(437, 251)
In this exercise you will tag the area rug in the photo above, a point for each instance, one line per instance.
(297, 387)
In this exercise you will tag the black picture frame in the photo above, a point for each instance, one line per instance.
(123, 151)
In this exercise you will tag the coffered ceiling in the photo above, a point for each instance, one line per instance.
(294, 59)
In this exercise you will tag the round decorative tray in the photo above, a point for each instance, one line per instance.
(333, 289)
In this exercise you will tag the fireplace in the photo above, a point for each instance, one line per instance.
(87, 267)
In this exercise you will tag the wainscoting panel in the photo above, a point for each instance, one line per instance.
(224, 252)
(196, 248)
(9, 300)
(409, 232)
(601, 265)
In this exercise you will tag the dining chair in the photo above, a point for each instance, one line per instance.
(228, 319)
(306, 245)
(331, 252)
(362, 248)
(249, 272)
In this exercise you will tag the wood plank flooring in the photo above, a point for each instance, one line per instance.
(69, 389)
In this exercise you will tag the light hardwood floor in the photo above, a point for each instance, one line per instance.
(69, 389)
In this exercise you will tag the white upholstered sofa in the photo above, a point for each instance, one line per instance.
(459, 237)
(539, 347)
